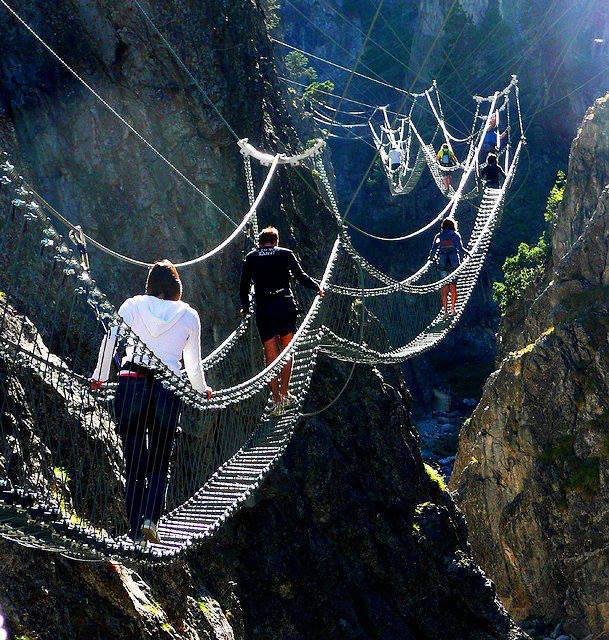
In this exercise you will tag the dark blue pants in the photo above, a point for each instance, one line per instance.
(147, 416)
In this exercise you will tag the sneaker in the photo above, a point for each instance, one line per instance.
(150, 531)
(289, 400)
(131, 539)
(277, 408)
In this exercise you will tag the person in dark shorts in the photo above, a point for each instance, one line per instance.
(492, 174)
(271, 269)
(447, 251)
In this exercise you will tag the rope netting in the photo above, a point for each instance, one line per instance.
(70, 477)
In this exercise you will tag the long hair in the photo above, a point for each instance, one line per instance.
(163, 281)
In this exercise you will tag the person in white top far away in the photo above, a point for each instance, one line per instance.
(147, 413)
(395, 158)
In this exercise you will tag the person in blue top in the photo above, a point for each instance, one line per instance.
(493, 140)
(447, 251)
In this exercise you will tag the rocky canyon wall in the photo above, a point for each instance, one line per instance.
(532, 467)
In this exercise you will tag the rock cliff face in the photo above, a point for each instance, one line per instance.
(350, 536)
(532, 467)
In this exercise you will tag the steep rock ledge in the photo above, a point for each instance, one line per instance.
(533, 462)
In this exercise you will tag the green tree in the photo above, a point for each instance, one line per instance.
(557, 193)
(522, 269)
(298, 67)
(271, 13)
(326, 86)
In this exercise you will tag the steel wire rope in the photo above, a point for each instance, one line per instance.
(559, 66)
(531, 45)
(373, 41)
(185, 68)
(113, 111)
(401, 108)
(433, 44)
(429, 52)
(578, 88)
(525, 37)
(344, 93)
(333, 95)
(392, 283)
(361, 115)
(344, 387)
(212, 252)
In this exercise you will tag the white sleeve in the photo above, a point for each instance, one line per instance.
(192, 357)
(108, 346)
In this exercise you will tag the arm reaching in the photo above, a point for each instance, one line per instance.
(192, 359)
(244, 285)
(435, 247)
(461, 250)
(299, 273)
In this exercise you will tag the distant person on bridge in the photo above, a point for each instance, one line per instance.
(447, 251)
(492, 174)
(271, 268)
(493, 140)
(447, 160)
(395, 158)
(146, 412)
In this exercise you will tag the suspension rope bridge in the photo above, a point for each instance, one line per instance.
(62, 458)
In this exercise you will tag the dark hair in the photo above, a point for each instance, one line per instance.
(449, 223)
(269, 235)
(491, 159)
(163, 281)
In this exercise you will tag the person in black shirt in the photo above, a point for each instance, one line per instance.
(271, 268)
(492, 174)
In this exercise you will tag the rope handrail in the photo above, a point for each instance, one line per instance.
(266, 159)
(124, 258)
(405, 284)
(347, 350)
(513, 83)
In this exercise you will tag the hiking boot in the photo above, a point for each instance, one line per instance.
(277, 409)
(289, 400)
(150, 531)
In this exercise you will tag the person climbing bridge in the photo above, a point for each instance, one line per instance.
(493, 140)
(447, 252)
(447, 160)
(395, 158)
(146, 412)
(270, 268)
(492, 174)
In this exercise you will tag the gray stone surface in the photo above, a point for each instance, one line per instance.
(532, 466)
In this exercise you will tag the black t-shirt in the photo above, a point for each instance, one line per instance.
(270, 269)
(492, 174)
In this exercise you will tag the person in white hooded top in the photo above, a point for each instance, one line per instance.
(147, 414)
